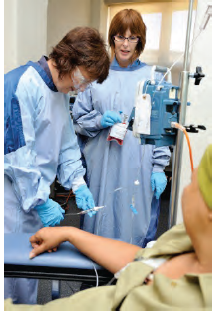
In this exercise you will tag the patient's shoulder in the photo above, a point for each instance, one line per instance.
(173, 242)
(175, 237)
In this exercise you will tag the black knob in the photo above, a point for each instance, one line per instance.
(201, 127)
(198, 75)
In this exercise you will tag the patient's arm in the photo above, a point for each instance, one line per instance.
(111, 254)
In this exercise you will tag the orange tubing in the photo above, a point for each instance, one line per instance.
(67, 198)
(190, 149)
(180, 127)
(71, 193)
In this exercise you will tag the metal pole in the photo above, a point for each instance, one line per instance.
(177, 159)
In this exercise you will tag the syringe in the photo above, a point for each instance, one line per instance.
(86, 211)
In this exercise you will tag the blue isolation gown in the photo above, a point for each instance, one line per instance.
(112, 169)
(39, 143)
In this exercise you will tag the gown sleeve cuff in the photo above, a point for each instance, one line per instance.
(158, 169)
(98, 122)
(77, 183)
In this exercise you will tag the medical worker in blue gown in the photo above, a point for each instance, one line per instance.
(40, 141)
(112, 169)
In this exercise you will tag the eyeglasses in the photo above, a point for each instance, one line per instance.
(80, 83)
(131, 39)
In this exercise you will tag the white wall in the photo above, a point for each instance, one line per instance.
(32, 27)
(99, 16)
(63, 15)
(10, 51)
(25, 32)
(200, 111)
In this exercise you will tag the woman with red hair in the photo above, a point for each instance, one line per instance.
(130, 214)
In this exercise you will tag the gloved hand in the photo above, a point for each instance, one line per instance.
(50, 213)
(84, 199)
(110, 118)
(158, 183)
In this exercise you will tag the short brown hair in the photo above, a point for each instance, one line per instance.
(82, 46)
(132, 19)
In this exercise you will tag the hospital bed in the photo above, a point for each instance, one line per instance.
(67, 263)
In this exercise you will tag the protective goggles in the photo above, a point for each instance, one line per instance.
(79, 82)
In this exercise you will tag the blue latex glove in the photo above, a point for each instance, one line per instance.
(50, 213)
(110, 118)
(84, 199)
(158, 183)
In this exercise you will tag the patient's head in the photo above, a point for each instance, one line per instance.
(197, 199)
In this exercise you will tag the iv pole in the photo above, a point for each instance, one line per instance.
(177, 158)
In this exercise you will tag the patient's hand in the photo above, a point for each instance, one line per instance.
(47, 239)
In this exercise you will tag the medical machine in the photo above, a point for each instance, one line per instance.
(165, 105)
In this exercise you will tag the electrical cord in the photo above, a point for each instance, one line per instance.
(97, 280)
